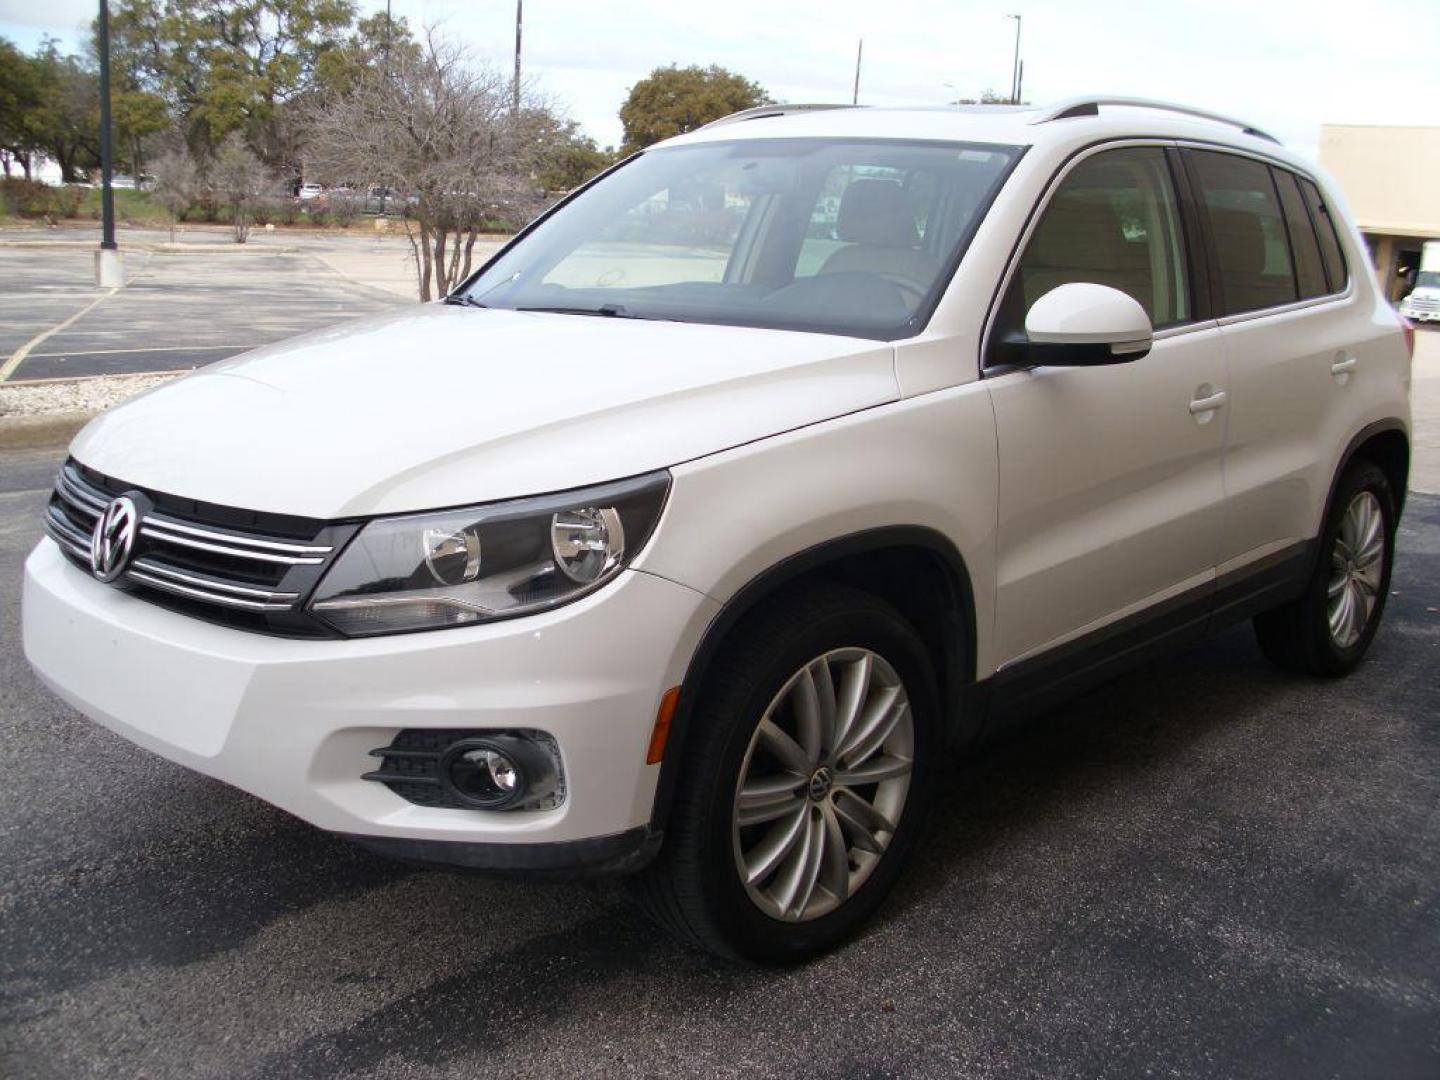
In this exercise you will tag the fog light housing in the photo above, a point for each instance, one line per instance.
(497, 772)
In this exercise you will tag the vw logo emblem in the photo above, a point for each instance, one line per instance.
(114, 538)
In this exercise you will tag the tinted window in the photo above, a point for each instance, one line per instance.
(1112, 221)
(1248, 229)
(1309, 273)
(1329, 242)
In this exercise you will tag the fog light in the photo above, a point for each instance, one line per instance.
(497, 772)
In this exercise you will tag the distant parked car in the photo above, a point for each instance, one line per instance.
(309, 192)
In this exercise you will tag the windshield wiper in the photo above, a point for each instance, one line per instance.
(462, 299)
(610, 311)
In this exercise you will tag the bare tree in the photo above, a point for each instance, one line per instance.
(176, 182)
(440, 128)
(241, 180)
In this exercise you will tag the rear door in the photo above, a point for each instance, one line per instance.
(1288, 329)
(1111, 497)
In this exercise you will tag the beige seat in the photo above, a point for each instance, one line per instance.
(878, 227)
(1082, 238)
(1240, 242)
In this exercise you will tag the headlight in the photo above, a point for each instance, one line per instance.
(457, 567)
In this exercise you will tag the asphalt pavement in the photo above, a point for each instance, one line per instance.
(177, 311)
(1206, 868)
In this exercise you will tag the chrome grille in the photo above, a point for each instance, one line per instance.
(205, 568)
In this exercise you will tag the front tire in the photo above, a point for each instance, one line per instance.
(1327, 630)
(815, 740)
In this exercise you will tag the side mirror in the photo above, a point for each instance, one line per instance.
(1085, 325)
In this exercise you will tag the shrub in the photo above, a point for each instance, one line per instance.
(33, 199)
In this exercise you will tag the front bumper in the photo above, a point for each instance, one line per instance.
(293, 721)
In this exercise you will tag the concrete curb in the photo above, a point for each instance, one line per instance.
(45, 430)
(163, 248)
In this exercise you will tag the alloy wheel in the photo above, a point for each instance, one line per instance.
(823, 784)
(1357, 569)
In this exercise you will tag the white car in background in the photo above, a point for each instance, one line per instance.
(686, 537)
(308, 192)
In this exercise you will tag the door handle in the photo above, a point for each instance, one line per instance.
(1344, 365)
(1207, 404)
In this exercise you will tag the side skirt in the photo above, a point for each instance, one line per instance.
(1023, 689)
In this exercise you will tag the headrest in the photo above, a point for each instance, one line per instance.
(1081, 231)
(876, 213)
(1240, 239)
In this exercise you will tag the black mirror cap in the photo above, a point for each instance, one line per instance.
(1017, 350)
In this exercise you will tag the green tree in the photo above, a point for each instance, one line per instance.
(65, 122)
(20, 97)
(673, 100)
(375, 44)
(564, 158)
(231, 65)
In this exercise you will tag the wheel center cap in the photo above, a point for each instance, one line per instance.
(821, 783)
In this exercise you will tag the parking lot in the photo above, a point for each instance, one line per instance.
(185, 307)
(1205, 868)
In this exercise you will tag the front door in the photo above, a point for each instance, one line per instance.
(1111, 493)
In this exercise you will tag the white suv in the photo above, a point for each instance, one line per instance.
(687, 535)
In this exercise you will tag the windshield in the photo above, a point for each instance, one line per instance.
(1427, 279)
(835, 236)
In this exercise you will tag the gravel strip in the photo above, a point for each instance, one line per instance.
(74, 395)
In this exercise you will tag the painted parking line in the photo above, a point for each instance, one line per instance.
(18, 356)
(153, 348)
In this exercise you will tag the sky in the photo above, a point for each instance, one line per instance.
(1286, 66)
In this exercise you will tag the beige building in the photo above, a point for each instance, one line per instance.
(1391, 179)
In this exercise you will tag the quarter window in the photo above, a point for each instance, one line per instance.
(1112, 221)
(1309, 271)
(1248, 229)
(1330, 251)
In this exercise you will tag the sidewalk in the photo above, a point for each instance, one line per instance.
(1425, 412)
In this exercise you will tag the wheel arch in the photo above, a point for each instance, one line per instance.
(916, 569)
(1386, 443)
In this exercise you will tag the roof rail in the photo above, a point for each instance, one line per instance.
(762, 111)
(1089, 105)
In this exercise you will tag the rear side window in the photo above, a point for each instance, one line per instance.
(1248, 231)
(1309, 271)
(1112, 221)
(1325, 228)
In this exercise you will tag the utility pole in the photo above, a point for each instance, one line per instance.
(109, 272)
(1020, 83)
(859, 54)
(515, 90)
(1015, 66)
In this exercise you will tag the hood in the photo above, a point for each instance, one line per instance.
(444, 405)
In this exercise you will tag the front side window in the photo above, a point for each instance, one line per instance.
(1248, 229)
(827, 235)
(1112, 221)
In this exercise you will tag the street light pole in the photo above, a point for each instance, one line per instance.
(1015, 66)
(108, 272)
(859, 54)
(515, 91)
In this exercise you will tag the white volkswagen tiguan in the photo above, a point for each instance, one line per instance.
(684, 538)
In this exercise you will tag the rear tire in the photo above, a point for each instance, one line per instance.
(1328, 628)
(719, 883)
